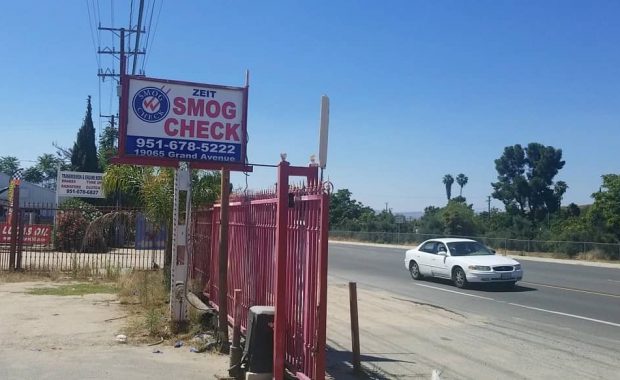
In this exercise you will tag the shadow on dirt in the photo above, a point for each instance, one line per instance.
(339, 365)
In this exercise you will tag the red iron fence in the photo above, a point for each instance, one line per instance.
(300, 299)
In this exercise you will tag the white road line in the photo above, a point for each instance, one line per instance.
(454, 291)
(613, 280)
(566, 314)
(573, 290)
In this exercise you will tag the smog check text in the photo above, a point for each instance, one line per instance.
(203, 129)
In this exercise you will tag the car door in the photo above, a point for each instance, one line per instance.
(425, 258)
(442, 264)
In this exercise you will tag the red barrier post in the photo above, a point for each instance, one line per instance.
(14, 223)
(322, 296)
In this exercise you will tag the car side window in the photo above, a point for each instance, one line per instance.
(429, 247)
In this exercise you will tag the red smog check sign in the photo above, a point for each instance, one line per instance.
(185, 121)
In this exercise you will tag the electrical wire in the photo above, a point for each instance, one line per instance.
(149, 16)
(91, 20)
(92, 34)
(147, 55)
(130, 20)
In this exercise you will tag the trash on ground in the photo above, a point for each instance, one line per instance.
(120, 338)
(158, 352)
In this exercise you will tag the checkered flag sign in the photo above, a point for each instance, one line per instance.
(17, 176)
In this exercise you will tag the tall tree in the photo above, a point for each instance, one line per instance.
(9, 165)
(525, 180)
(84, 154)
(607, 203)
(343, 208)
(33, 175)
(107, 145)
(154, 190)
(461, 179)
(448, 180)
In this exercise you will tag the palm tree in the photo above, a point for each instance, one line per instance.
(154, 190)
(461, 179)
(448, 180)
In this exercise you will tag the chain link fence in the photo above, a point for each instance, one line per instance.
(540, 248)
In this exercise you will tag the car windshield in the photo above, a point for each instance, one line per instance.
(468, 248)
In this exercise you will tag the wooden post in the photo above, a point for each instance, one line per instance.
(355, 329)
(223, 262)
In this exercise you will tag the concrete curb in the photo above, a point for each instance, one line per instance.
(516, 257)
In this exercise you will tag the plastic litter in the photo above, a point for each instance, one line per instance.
(120, 338)
(158, 352)
(178, 343)
(192, 349)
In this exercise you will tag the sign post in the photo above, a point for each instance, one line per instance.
(178, 270)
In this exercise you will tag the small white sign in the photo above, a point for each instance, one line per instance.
(80, 184)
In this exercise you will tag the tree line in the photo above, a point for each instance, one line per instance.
(532, 200)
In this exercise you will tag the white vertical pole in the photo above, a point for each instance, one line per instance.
(178, 270)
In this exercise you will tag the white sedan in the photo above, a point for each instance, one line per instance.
(463, 261)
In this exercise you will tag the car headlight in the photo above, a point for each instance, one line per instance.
(518, 267)
(480, 267)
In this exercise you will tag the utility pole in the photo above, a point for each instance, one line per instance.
(135, 57)
(112, 119)
(121, 33)
(489, 203)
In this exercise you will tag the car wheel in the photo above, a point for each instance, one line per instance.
(459, 277)
(414, 270)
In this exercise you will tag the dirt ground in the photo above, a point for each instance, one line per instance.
(404, 339)
(73, 337)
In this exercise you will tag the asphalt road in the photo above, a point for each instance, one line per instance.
(558, 299)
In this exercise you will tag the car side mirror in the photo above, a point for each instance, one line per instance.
(442, 253)
(493, 251)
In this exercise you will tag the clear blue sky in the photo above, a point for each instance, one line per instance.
(418, 88)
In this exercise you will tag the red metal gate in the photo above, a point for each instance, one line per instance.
(275, 259)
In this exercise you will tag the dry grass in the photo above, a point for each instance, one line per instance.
(592, 255)
(75, 289)
(145, 297)
(22, 276)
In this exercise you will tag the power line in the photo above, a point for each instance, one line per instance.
(146, 57)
